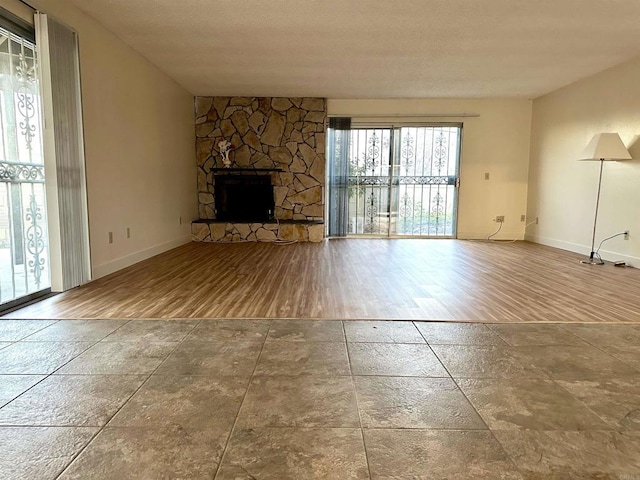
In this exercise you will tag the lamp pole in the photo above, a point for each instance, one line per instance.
(603, 146)
(592, 259)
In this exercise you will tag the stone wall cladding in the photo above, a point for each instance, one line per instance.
(286, 133)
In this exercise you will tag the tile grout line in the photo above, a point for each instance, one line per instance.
(50, 374)
(13, 342)
(511, 460)
(577, 335)
(46, 375)
(101, 429)
(197, 323)
(614, 429)
(235, 422)
(355, 395)
(599, 348)
(455, 382)
(2, 405)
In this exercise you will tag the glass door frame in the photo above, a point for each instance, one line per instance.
(369, 180)
(29, 221)
(393, 174)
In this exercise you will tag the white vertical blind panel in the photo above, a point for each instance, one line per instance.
(69, 151)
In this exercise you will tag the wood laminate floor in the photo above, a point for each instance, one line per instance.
(359, 279)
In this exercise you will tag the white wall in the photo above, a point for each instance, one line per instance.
(562, 191)
(496, 142)
(139, 145)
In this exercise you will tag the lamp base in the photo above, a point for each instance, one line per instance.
(593, 260)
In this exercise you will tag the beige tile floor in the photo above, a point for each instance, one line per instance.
(301, 399)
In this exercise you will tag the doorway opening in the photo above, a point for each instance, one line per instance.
(24, 255)
(402, 181)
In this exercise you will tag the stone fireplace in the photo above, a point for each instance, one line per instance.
(277, 153)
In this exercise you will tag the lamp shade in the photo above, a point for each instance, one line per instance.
(605, 146)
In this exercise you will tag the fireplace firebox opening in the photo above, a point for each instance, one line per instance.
(244, 198)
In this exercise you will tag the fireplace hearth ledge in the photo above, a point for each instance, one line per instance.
(207, 230)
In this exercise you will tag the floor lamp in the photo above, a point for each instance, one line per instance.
(602, 147)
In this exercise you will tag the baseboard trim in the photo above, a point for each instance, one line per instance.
(133, 258)
(583, 249)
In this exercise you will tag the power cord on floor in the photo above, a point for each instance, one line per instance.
(232, 241)
(491, 239)
(597, 252)
(496, 232)
(515, 239)
(278, 240)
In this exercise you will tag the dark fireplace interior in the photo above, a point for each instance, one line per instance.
(244, 198)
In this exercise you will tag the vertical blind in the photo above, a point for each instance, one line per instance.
(339, 129)
(58, 47)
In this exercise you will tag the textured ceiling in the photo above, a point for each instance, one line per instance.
(374, 48)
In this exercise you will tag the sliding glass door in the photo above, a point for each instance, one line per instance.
(24, 265)
(426, 181)
(403, 181)
(369, 181)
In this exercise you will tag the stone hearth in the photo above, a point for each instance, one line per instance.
(298, 230)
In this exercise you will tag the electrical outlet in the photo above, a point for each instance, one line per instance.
(523, 218)
(626, 235)
(180, 220)
(128, 232)
(110, 237)
(536, 220)
(499, 219)
(486, 176)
